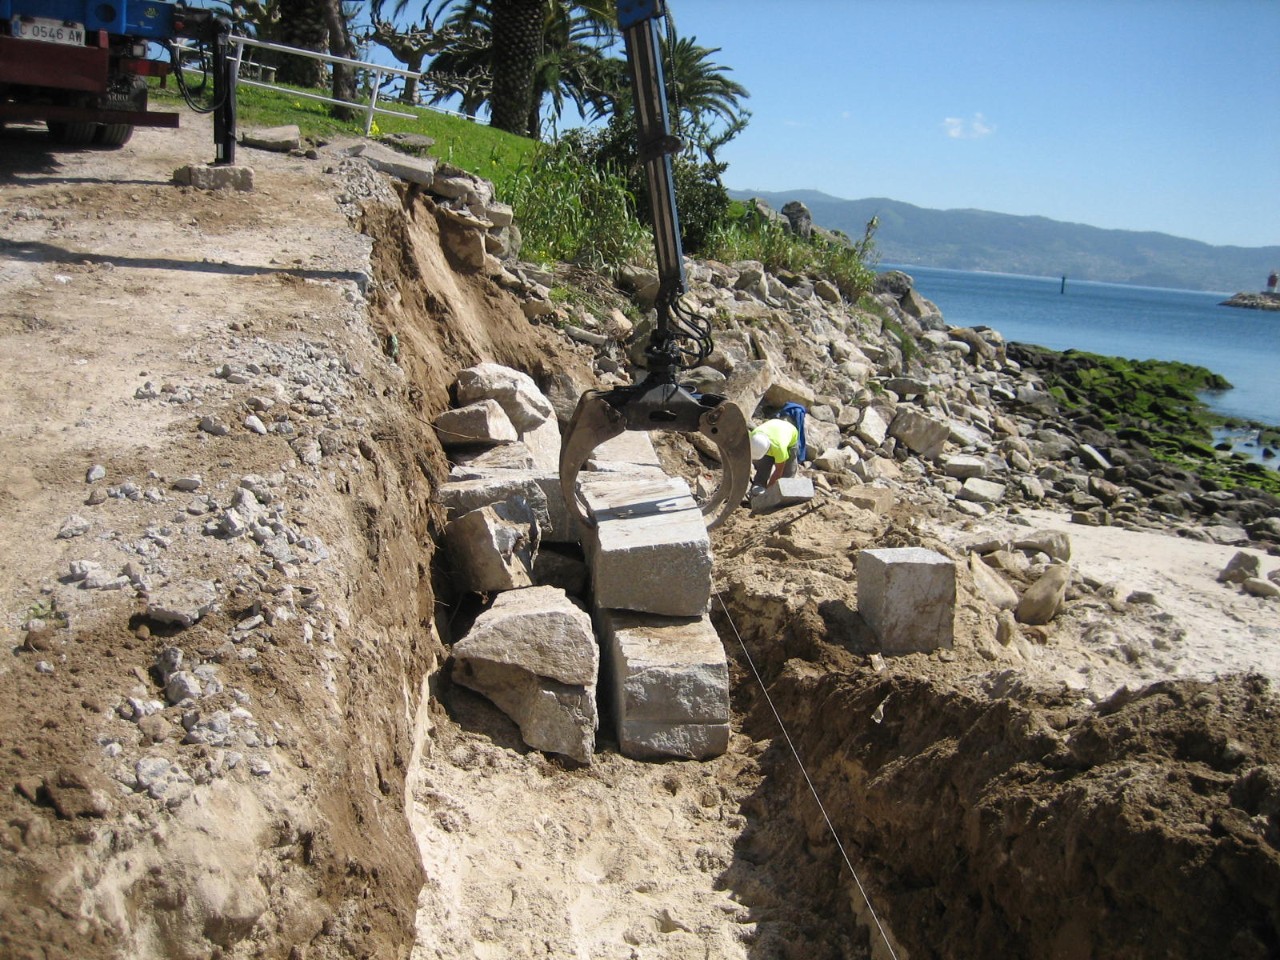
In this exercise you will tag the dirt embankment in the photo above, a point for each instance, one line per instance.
(323, 790)
(206, 450)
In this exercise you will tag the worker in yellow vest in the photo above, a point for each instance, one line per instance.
(775, 452)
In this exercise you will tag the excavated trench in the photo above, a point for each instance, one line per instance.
(983, 817)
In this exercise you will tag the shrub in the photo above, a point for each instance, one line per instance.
(572, 211)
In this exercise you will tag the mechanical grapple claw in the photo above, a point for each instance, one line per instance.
(603, 415)
(659, 402)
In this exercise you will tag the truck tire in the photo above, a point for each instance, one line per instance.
(130, 95)
(76, 133)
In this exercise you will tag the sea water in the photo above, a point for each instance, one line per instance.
(1137, 323)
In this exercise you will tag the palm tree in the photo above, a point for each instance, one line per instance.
(705, 106)
(522, 57)
(701, 97)
(517, 44)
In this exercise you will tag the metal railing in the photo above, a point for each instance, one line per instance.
(376, 70)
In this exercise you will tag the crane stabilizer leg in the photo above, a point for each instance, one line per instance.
(659, 402)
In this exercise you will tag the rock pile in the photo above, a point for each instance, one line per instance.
(534, 652)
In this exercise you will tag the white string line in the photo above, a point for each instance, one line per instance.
(805, 773)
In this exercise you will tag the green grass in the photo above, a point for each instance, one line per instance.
(476, 147)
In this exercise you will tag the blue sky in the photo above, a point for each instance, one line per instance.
(1128, 114)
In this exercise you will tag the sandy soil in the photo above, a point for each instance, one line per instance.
(1189, 625)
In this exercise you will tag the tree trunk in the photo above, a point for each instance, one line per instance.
(302, 24)
(517, 43)
(340, 45)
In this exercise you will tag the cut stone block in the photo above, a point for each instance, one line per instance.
(483, 422)
(202, 177)
(875, 499)
(786, 492)
(646, 740)
(664, 669)
(907, 595)
(629, 448)
(491, 549)
(515, 392)
(650, 550)
(922, 434)
(533, 653)
(543, 442)
(505, 456)
(280, 139)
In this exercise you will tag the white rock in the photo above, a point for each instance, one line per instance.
(482, 422)
(524, 404)
(74, 526)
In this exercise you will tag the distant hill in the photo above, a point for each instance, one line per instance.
(1037, 246)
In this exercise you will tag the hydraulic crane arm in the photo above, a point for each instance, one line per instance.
(659, 402)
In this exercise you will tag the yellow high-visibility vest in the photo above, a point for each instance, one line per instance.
(783, 439)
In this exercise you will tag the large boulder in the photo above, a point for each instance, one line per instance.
(534, 654)
(524, 404)
(799, 218)
(492, 548)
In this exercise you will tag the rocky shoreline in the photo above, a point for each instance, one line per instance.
(1254, 301)
(898, 397)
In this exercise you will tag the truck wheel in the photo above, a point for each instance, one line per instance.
(132, 95)
(113, 134)
(76, 133)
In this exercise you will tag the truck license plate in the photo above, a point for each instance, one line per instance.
(48, 30)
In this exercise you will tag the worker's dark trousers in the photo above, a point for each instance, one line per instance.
(764, 470)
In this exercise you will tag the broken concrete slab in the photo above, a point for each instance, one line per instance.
(419, 170)
(907, 595)
(492, 548)
(649, 550)
(279, 139)
(787, 492)
(534, 654)
(482, 422)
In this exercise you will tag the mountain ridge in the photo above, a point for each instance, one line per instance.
(983, 240)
